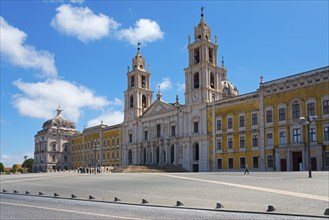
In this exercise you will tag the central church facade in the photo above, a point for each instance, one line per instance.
(174, 133)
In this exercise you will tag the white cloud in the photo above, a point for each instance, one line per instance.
(145, 31)
(110, 117)
(117, 102)
(39, 100)
(81, 22)
(180, 87)
(165, 84)
(9, 160)
(14, 49)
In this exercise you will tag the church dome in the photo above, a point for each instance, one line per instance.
(58, 122)
(228, 89)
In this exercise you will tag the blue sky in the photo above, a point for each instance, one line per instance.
(75, 53)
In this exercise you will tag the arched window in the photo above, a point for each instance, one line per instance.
(131, 101)
(196, 55)
(196, 81)
(143, 101)
(65, 147)
(211, 60)
(132, 81)
(212, 80)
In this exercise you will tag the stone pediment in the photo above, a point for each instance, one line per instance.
(158, 107)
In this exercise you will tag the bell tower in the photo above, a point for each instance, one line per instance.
(138, 95)
(203, 75)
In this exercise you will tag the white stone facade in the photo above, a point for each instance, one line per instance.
(52, 145)
(174, 133)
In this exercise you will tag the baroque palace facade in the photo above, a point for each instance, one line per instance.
(217, 129)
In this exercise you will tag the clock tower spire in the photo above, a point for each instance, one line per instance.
(138, 95)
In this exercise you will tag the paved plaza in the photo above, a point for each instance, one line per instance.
(287, 192)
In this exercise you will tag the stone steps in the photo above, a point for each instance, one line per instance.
(148, 169)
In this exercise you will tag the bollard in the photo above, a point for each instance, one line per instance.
(144, 201)
(179, 203)
(270, 208)
(326, 212)
(218, 205)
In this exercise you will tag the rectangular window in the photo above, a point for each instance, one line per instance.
(65, 158)
(254, 119)
(255, 140)
(229, 123)
(219, 144)
(158, 131)
(326, 159)
(173, 130)
(269, 117)
(242, 142)
(219, 164)
(130, 138)
(282, 135)
(312, 135)
(269, 137)
(325, 107)
(230, 143)
(326, 133)
(118, 141)
(219, 125)
(54, 158)
(295, 110)
(270, 161)
(296, 135)
(112, 141)
(242, 162)
(145, 135)
(230, 163)
(255, 162)
(282, 114)
(311, 109)
(196, 127)
(241, 120)
(118, 154)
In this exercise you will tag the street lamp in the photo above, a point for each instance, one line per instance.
(95, 148)
(308, 121)
(25, 161)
